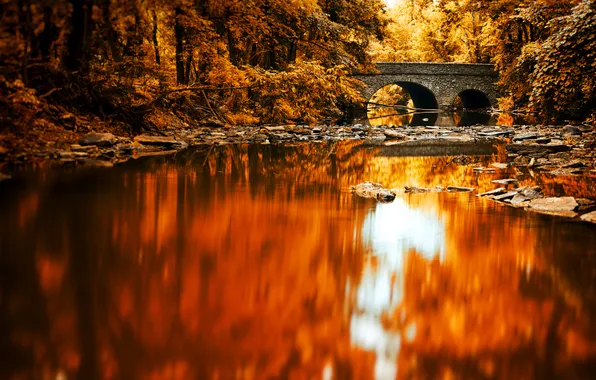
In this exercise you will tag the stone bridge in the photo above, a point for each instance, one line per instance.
(436, 85)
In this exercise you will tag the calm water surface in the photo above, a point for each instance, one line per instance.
(255, 262)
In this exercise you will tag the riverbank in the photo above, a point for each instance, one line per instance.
(553, 150)
(561, 150)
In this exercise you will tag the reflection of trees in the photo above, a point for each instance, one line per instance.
(202, 265)
(234, 261)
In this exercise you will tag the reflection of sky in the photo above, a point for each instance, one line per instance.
(391, 230)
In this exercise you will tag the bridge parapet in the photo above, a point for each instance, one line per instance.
(453, 69)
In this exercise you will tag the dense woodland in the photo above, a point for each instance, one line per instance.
(151, 64)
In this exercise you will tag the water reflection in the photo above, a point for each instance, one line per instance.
(398, 118)
(252, 262)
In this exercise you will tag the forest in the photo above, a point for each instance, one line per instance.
(144, 65)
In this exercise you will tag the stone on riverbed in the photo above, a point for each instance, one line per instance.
(498, 191)
(506, 181)
(526, 136)
(98, 139)
(537, 148)
(506, 196)
(562, 206)
(163, 141)
(589, 217)
(394, 135)
(459, 189)
(373, 190)
(500, 165)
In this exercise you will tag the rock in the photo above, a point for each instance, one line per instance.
(459, 189)
(68, 154)
(554, 204)
(526, 136)
(531, 192)
(98, 139)
(574, 164)
(394, 135)
(519, 199)
(162, 141)
(81, 148)
(498, 191)
(543, 140)
(279, 128)
(68, 120)
(564, 172)
(500, 165)
(495, 133)
(483, 169)
(589, 217)
(507, 181)
(585, 204)
(537, 148)
(301, 131)
(570, 130)
(415, 190)
(507, 195)
(373, 190)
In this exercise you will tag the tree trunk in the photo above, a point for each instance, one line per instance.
(155, 43)
(27, 31)
(179, 34)
(292, 50)
(78, 45)
(187, 68)
(112, 35)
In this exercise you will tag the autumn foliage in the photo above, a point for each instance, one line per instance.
(227, 61)
(543, 50)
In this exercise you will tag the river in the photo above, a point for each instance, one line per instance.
(256, 262)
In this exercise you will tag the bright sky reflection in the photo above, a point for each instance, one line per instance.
(391, 230)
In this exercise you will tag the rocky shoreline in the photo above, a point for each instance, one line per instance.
(566, 149)
(557, 150)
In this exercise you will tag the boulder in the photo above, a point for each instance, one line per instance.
(554, 204)
(98, 139)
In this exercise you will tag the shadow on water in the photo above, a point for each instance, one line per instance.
(255, 262)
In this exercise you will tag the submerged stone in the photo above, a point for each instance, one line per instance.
(373, 190)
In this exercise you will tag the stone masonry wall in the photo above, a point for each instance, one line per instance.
(444, 80)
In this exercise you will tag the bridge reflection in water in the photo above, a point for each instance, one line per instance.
(250, 262)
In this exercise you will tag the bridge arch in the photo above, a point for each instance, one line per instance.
(472, 99)
(422, 98)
